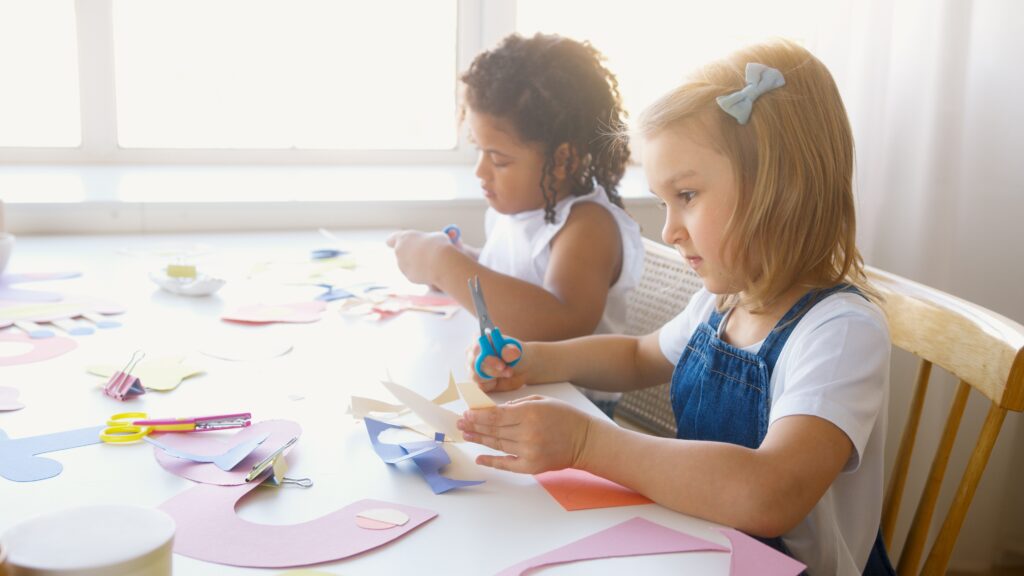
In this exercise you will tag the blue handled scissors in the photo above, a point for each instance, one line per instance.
(491, 340)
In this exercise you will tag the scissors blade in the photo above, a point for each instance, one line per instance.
(480, 305)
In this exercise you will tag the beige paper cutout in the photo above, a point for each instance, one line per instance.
(156, 374)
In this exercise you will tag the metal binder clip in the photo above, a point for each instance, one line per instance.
(277, 465)
(122, 385)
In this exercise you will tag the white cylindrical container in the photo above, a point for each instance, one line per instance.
(106, 540)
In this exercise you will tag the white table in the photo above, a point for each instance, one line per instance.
(478, 530)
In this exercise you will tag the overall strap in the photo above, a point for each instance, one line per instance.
(776, 340)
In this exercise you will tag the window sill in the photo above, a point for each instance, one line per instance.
(47, 199)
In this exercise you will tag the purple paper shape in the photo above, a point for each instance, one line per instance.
(208, 529)
(281, 431)
(8, 293)
(430, 463)
(751, 557)
(19, 460)
(635, 537)
(428, 455)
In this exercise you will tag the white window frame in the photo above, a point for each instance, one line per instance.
(481, 24)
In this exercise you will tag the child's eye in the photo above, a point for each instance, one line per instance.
(686, 195)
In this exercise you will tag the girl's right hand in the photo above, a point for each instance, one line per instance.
(503, 376)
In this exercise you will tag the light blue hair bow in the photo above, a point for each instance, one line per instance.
(760, 79)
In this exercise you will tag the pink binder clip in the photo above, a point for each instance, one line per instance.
(122, 385)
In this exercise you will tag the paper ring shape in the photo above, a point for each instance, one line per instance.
(41, 349)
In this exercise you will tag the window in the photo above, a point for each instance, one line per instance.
(38, 74)
(651, 44)
(279, 74)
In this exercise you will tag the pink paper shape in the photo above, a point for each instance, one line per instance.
(267, 313)
(214, 443)
(9, 399)
(208, 529)
(635, 537)
(753, 558)
(42, 349)
(580, 490)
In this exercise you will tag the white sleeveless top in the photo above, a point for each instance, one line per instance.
(519, 245)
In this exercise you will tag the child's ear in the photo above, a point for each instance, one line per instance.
(565, 161)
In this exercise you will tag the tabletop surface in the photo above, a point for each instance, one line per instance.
(478, 530)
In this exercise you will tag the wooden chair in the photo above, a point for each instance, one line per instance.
(665, 287)
(985, 351)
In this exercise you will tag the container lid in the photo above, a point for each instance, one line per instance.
(108, 539)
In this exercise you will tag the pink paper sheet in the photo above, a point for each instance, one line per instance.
(212, 443)
(41, 349)
(635, 537)
(208, 529)
(752, 558)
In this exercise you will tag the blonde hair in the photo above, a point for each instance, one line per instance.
(795, 218)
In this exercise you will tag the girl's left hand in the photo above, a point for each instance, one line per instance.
(416, 252)
(537, 433)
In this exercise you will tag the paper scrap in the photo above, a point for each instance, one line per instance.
(243, 347)
(381, 518)
(440, 419)
(26, 349)
(635, 537)
(9, 293)
(9, 399)
(429, 456)
(281, 431)
(266, 313)
(156, 374)
(580, 490)
(208, 529)
(753, 558)
(475, 397)
(225, 460)
(19, 460)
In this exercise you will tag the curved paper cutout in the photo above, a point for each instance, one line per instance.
(19, 460)
(267, 313)
(8, 293)
(750, 556)
(156, 374)
(210, 443)
(210, 530)
(9, 399)
(41, 349)
(11, 312)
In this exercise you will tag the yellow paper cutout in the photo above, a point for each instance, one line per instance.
(475, 397)
(438, 418)
(156, 374)
(181, 271)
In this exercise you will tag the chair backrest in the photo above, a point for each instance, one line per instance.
(985, 351)
(665, 287)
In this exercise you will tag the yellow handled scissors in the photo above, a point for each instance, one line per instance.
(133, 426)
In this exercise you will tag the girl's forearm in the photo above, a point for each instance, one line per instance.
(612, 363)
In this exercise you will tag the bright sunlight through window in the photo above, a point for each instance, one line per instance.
(651, 45)
(278, 74)
(38, 74)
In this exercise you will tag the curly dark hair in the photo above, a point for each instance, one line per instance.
(554, 90)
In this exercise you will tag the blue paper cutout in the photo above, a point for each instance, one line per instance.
(19, 461)
(333, 293)
(428, 455)
(226, 460)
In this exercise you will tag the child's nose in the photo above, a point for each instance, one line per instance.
(483, 169)
(673, 232)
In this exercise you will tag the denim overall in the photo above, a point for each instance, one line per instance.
(722, 393)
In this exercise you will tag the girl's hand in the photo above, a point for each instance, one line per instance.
(416, 252)
(503, 376)
(537, 433)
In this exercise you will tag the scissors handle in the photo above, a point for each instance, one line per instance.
(124, 433)
(493, 346)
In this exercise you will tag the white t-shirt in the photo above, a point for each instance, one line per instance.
(835, 365)
(519, 245)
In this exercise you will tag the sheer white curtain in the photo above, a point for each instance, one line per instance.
(935, 94)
